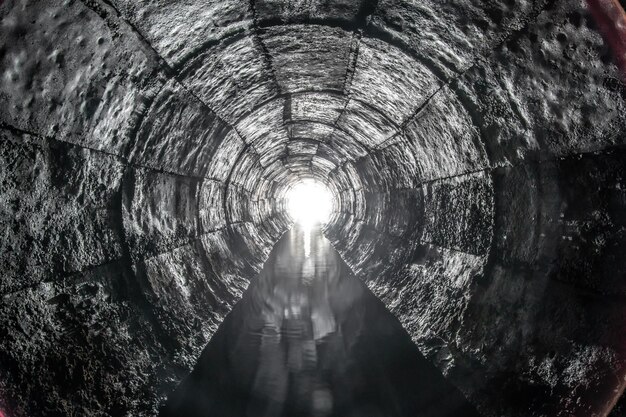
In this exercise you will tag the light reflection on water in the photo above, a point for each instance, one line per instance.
(292, 296)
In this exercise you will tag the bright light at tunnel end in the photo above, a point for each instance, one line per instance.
(309, 202)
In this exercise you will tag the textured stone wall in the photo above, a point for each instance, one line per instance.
(475, 151)
(127, 235)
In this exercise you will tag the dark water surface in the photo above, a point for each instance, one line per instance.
(309, 339)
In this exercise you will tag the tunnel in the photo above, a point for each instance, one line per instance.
(474, 152)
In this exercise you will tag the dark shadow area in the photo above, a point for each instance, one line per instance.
(309, 339)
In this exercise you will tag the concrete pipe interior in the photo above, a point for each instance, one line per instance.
(473, 150)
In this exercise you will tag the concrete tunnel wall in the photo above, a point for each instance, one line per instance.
(475, 151)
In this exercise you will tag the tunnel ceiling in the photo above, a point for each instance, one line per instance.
(475, 151)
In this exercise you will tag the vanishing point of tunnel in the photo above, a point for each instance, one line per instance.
(473, 261)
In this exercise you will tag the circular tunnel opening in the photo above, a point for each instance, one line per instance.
(309, 202)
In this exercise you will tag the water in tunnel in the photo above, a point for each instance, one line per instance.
(309, 339)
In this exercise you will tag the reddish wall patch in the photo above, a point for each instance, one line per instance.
(611, 20)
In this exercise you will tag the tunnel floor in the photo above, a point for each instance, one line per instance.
(309, 339)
